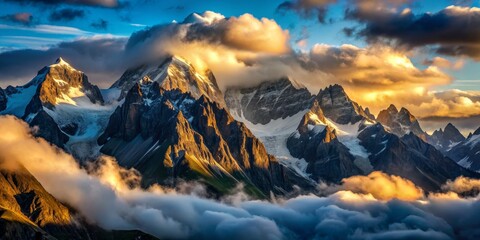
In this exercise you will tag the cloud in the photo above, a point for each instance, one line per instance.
(383, 187)
(102, 58)
(94, 3)
(307, 8)
(445, 63)
(50, 29)
(462, 185)
(448, 103)
(66, 14)
(108, 196)
(101, 24)
(22, 18)
(450, 31)
(243, 33)
(244, 51)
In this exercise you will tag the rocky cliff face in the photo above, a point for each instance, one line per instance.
(168, 134)
(317, 142)
(28, 211)
(410, 157)
(172, 73)
(400, 122)
(467, 152)
(338, 107)
(270, 100)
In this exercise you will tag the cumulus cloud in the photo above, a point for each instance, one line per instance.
(307, 8)
(463, 185)
(383, 187)
(243, 33)
(448, 103)
(108, 195)
(450, 31)
(66, 14)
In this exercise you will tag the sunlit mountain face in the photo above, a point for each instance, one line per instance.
(301, 119)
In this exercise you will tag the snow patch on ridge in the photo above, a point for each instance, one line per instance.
(17, 102)
(274, 136)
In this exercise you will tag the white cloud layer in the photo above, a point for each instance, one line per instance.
(109, 196)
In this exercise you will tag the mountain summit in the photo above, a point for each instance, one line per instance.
(61, 83)
(172, 73)
(53, 101)
(400, 122)
(337, 106)
(268, 101)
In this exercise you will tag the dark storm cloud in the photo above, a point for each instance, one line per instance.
(22, 18)
(451, 31)
(66, 14)
(101, 59)
(101, 24)
(307, 8)
(97, 3)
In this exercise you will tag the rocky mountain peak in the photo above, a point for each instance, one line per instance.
(406, 116)
(338, 107)
(61, 62)
(444, 139)
(452, 131)
(400, 122)
(269, 100)
(477, 132)
(61, 83)
(392, 109)
(171, 73)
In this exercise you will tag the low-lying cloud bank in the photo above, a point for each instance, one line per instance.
(110, 197)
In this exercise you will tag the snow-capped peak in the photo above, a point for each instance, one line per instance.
(62, 63)
(173, 72)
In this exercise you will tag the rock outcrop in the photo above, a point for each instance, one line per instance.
(268, 101)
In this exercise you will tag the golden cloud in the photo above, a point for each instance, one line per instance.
(383, 187)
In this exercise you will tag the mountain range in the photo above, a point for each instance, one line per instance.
(171, 122)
